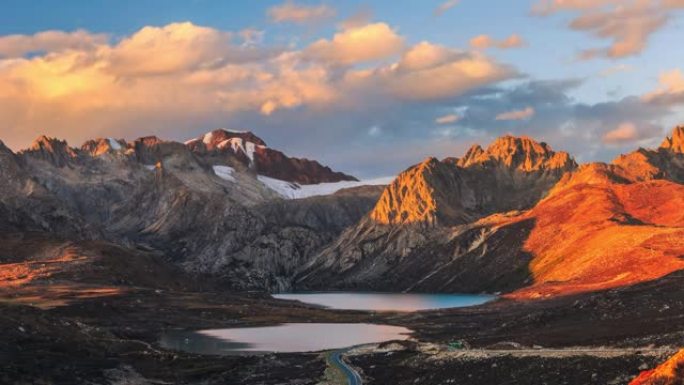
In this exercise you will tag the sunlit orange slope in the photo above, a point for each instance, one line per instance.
(605, 226)
(671, 372)
(593, 233)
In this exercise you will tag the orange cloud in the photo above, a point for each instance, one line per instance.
(485, 42)
(517, 114)
(625, 132)
(429, 71)
(448, 119)
(628, 23)
(300, 14)
(355, 45)
(671, 89)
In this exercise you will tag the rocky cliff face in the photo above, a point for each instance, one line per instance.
(553, 229)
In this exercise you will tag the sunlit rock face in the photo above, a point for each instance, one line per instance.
(243, 149)
(675, 142)
(511, 174)
(54, 151)
(671, 372)
(101, 146)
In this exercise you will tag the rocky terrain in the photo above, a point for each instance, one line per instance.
(169, 197)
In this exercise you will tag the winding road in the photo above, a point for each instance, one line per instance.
(353, 378)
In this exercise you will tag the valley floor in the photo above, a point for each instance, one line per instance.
(109, 339)
(95, 316)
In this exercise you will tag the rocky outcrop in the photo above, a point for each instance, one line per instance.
(245, 149)
(511, 174)
(675, 143)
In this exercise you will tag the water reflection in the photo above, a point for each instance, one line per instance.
(388, 301)
(287, 338)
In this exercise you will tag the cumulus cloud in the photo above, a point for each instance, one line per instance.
(364, 43)
(486, 41)
(165, 79)
(523, 114)
(428, 71)
(300, 14)
(447, 119)
(445, 6)
(48, 41)
(671, 90)
(627, 23)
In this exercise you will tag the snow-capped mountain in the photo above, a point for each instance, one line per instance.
(244, 150)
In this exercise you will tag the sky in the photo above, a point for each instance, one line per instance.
(367, 87)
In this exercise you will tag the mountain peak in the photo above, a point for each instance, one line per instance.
(521, 153)
(52, 150)
(675, 142)
(220, 138)
(97, 147)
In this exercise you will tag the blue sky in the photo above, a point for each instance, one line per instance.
(594, 107)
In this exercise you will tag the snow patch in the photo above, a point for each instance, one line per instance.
(225, 173)
(207, 137)
(114, 144)
(292, 190)
(236, 144)
(150, 167)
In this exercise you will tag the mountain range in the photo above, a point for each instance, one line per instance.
(515, 217)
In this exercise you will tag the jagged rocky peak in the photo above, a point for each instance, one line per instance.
(52, 150)
(100, 146)
(675, 142)
(519, 153)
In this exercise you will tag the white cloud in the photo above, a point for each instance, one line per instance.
(523, 114)
(300, 14)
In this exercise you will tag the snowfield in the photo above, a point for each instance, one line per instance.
(290, 190)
